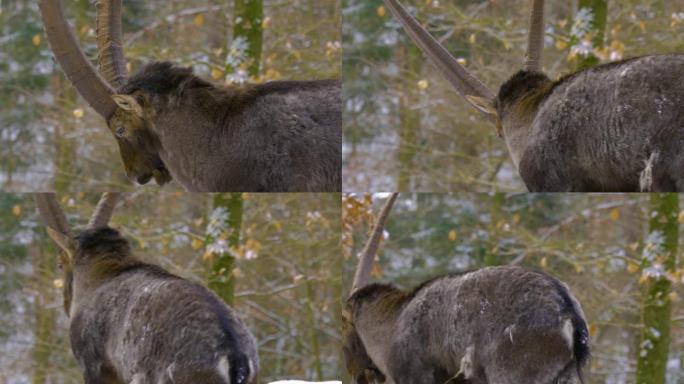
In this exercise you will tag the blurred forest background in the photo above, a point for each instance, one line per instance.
(50, 139)
(275, 257)
(617, 253)
(407, 129)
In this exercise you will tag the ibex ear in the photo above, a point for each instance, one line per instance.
(65, 242)
(129, 104)
(484, 105)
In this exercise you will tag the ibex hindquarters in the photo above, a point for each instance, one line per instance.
(144, 325)
(502, 325)
(616, 127)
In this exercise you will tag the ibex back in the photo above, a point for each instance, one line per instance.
(496, 325)
(135, 323)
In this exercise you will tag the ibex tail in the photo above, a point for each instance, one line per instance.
(577, 334)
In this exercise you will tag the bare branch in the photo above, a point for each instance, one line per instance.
(363, 269)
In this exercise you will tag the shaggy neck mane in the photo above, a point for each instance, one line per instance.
(386, 298)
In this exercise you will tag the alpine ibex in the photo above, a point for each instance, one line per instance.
(276, 136)
(496, 325)
(614, 127)
(135, 323)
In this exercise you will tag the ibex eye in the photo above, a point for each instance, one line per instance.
(120, 130)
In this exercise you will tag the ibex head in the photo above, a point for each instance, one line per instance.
(359, 364)
(127, 114)
(86, 247)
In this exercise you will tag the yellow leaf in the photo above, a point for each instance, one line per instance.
(266, 23)
(423, 84)
(376, 272)
(472, 39)
(615, 214)
(36, 40)
(58, 283)
(78, 113)
(632, 267)
(237, 272)
(297, 55)
(642, 26)
(381, 11)
(543, 262)
(208, 257)
(16, 210)
(516, 218)
(561, 44)
(680, 217)
(199, 20)
(196, 244)
(216, 73)
(593, 330)
(452, 235)
(643, 279)
(578, 268)
(674, 296)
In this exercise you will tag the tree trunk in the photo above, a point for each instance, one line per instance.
(221, 279)
(409, 117)
(599, 12)
(496, 204)
(659, 263)
(248, 15)
(44, 318)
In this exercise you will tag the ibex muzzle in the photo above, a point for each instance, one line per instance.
(278, 136)
(615, 127)
(496, 325)
(132, 322)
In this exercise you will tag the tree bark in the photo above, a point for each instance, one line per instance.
(248, 15)
(44, 318)
(599, 10)
(221, 279)
(661, 249)
(409, 117)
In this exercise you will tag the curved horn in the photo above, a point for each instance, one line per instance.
(73, 61)
(535, 38)
(110, 54)
(104, 210)
(465, 83)
(363, 269)
(51, 212)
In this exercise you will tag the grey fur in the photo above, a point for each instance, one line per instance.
(135, 323)
(595, 130)
(273, 137)
(498, 325)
